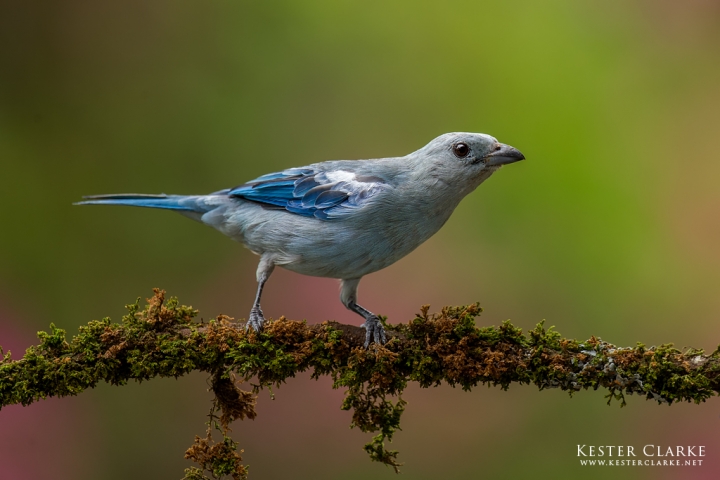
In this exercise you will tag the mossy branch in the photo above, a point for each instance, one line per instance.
(163, 339)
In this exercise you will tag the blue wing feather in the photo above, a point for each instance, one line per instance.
(304, 185)
(309, 192)
(330, 199)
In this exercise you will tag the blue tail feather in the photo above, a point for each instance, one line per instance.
(169, 202)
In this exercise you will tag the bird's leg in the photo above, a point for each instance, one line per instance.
(374, 331)
(256, 318)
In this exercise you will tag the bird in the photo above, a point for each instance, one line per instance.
(341, 219)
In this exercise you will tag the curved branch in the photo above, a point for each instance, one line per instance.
(163, 339)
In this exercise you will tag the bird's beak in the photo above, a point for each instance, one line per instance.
(503, 155)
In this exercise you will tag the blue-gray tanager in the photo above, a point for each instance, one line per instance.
(341, 219)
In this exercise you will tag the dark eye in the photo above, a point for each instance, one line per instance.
(461, 150)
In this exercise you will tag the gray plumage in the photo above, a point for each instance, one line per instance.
(342, 219)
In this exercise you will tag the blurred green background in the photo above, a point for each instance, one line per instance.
(610, 228)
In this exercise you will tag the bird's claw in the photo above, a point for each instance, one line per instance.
(255, 320)
(374, 331)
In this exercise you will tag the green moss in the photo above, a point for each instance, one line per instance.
(163, 339)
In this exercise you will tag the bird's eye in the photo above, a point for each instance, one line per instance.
(461, 150)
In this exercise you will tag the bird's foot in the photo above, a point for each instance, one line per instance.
(374, 331)
(256, 319)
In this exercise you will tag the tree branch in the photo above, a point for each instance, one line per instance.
(163, 339)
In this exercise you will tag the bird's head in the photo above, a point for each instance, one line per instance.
(454, 164)
(469, 154)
